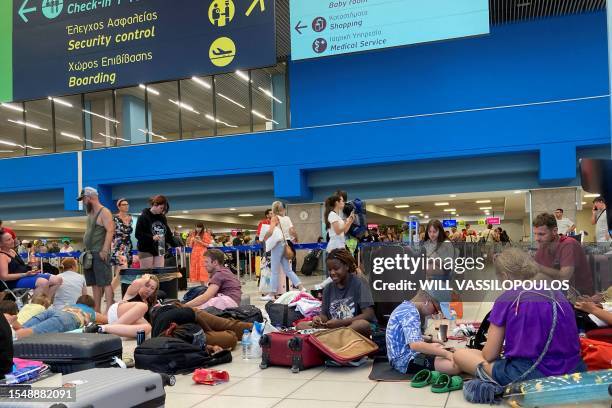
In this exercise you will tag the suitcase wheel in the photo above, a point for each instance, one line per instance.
(168, 380)
(264, 341)
(295, 370)
(263, 365)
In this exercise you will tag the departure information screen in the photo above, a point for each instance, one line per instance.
(321, 28)
(61, 47)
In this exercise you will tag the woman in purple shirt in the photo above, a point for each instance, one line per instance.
(521, 322)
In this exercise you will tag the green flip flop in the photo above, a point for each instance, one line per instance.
(424, 377)
(446, 383)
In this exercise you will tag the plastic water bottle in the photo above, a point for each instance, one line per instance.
(246, 345)
(452, 323)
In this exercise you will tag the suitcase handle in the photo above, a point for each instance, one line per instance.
(151, 387)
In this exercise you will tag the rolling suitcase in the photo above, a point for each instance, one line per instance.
(110, 388)
(70, 352)
(289, 349)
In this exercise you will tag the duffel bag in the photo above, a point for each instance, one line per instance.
(247, 313)
(282, 315)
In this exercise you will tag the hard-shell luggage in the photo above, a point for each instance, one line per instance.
(289, 349)
(110, 388)
(70, 352)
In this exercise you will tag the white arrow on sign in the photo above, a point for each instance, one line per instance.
(261, 3)
(23, 11)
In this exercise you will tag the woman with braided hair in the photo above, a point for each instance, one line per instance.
(347, 302)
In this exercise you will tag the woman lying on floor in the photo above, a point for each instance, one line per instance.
(521, 322)
(347, 302)
(129, 316)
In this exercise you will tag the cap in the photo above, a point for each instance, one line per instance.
(87, 192)
(442, 299)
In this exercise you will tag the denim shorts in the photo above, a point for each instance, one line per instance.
(508, 370)
(53, 321)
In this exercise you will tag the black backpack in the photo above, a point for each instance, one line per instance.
(282, 315)
(194, 293)
(170, 355)
(480, 338)
(247, 313)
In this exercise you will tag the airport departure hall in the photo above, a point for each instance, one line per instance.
(297, 203)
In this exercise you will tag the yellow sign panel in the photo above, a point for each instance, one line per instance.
(222, 51)
(482, 222)
(221, 12)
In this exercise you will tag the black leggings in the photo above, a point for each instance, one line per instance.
(6, 347)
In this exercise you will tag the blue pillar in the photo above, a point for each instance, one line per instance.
(279, 110)
(133, 119)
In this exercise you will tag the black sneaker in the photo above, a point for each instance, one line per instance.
(91, 328)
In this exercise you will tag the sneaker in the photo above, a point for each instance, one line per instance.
(91, 328)
(267, 298)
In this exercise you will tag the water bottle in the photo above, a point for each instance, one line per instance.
(452, 323)
(246, 345)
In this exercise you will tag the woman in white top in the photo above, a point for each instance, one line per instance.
(282, 230)
(336, 226)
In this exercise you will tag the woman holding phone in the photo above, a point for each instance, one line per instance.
(336, 226)
(153, 233)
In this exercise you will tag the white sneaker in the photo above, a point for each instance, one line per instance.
(267, 298)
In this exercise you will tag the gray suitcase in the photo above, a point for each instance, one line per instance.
(110, 388)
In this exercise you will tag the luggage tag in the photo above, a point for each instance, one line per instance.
(210, 377)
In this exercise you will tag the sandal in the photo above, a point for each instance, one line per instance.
(424, 377)
(446, 383)
(210, 377)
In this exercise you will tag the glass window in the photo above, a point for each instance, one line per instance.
(131, 113)
(232, 97)
(39, 127)
(269, 98)
(12, 133)
(164, 112)
(100, 123)
(197, 93)
(68, 123)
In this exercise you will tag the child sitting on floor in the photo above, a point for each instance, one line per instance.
(347, 302)
(407, 352)
(37, 305)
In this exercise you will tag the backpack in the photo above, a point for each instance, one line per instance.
(190, 333)
(170, 355)
(360, 225)
(282, 315)
(194, 293)
(247, 313)
(480, 338)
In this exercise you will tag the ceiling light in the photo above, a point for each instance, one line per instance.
(219, 121)
(100, 116)
(416, 212)
(243, 75)
(201, 82)
(185, 212)
(52, 219)
(454, 213)
(10, 144)
(427, 216)
(486, 208)
(518, 192)
(227, 98)
(70, 135)
(13, 222)
(453, 195)
(483, 201)
(263, 117)
(12, 107)
(591, 195)
(269, 94)
(152, 134)
(245, 215)
(180, 226)
(450, 210)
(402, 206)
(389, 200)
(184, 106)
(232, 209)
(149, 89)
(27, 124)
(584, 203)
(7, 151)
(113, 137)
(61, 102)
(440, 204)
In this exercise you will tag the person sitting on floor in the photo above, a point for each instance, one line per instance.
(9, 307)
(129, 316)
(70, 318)
(223, 287)
(521, 323)
(347, 302)
(221, 332)
(603, 313)
(72, 287)
(37, 305)
(407, 350)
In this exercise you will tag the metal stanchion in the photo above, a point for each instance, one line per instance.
(238, 262)
(250, 266)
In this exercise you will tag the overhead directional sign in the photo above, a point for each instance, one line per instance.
(62, 47)
(321, 28)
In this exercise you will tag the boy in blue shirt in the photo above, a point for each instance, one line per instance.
(407, 352)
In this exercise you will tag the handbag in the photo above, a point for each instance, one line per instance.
(287, 250)
(86, 259)
(265, 277)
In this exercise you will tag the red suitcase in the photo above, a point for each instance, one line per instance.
(289, 349)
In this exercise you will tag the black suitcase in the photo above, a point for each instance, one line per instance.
(110, 388)
(311, 261)
(70, 352)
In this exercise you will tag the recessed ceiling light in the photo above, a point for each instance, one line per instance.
(245, 215)
(450, 210)
(583, 203)
(12, 107)
(453, 195)
(486, 208)
(591, 195)
(440, 204)
(185, 212)
(389, 200)
(232, 209)
(427, 216)
(52, 219)
(416, 212)
(13, 222)
(483, 201)
(180, 226)
(402, 206)
(518, 192)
